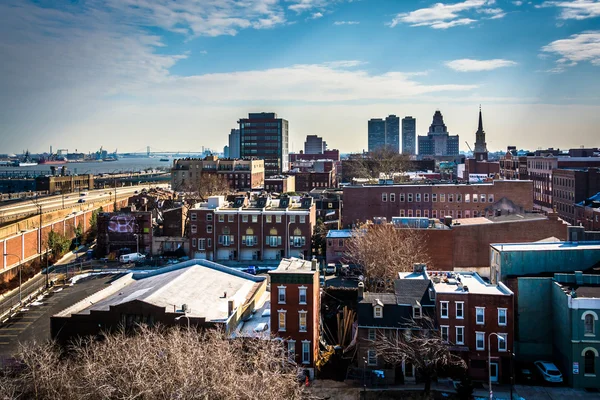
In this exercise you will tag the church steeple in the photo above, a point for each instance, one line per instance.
(481, 152)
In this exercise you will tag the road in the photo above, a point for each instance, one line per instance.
(50, 203)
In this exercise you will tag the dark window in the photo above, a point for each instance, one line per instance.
(590, 362)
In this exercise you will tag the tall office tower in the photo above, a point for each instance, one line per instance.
(234, 144)
(409, 135)
(314, 145)
(481, 152)
(226, 152)
(392, 133)
(438, 141)
(264, 136)
(376, 134)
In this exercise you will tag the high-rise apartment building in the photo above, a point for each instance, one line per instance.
(409, 135)
(384, 133)
(438, 141)
(264, 136)
(234, 144)
(314, 145)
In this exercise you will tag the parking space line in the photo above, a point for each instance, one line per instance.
(13, 329)
(9, 335)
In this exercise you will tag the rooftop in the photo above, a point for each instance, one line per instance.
(455, 282)
(339, 234)
(205, 287)
(294, 265)
(500, 219)
(547, 246)
(257, 325)
(436, 184)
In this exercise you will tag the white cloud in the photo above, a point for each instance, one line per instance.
(575, 9)
(444, 16)
(316, 15)
(301, 6)
(346, 23)
(517, 3)
(203, 52)
(575, 49)
(470, 65)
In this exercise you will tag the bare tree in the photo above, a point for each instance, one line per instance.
(155, 364)
(422, 345)
(384, 250)
(382, 163)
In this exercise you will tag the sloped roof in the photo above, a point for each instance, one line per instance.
(409, 291)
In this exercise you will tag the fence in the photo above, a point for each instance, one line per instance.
(29, 290)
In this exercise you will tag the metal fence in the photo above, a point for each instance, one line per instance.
(29, 290)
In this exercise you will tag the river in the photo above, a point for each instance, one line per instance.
(120, 165)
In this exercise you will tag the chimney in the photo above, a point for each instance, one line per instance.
(229, 307)
(448, 220)
(361, 290)
(313, 264)
(419, 268)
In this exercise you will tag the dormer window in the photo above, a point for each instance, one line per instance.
(378, 311)
(417, 312)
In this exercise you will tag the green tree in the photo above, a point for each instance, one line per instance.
(93, 231)
(59, 244)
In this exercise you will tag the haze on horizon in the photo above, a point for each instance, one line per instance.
(177, 76)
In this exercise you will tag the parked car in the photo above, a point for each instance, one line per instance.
(525, 375)
(330, 269)
(549, 371)
(133, 257)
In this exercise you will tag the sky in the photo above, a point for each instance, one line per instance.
(177, 75)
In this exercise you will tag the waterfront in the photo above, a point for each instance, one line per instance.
(106, 167)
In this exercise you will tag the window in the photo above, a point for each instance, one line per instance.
(208, 228)
(482, 198)
(480, 340)
(194, 217)
(418, 213)
(451, 198)
(384, 197)
(281, 294)
(442, 197)
(502, 339)
(458, 198)
(417, 312)
(474, 198)
(589, 363)
(202, 244)
(410, 197)
(378, 312)
(302, 295)
(372, 357)
(209, 242)
(268, 219)
(434, 197)
(491, 198)
(479, 315)
(418, 197)
(460, 309)
(444, 332)
(444, 309)
(467, 198)
(278, 219)
(244, 218)
(226, 240)
(194, 243)
(371, 335)
(281, 314)
(502, 316)
(426, 197)
(194, 229)
(302, 321)
(426, 213)
(410, 213)
(292, 219)
(589, 324)
(460, 335)
(402, 197)
(230, 218)
(209, 217)
(292, 350)
(305, 352)
(434, 213)
(303, 219)
(402, 213)
(221, 218)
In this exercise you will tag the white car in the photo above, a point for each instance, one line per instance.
(549, 371)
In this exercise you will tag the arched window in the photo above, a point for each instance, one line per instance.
(249, 231)
(226, 230)
(589, 324)
(273, 232)
(297, 232)
(590, 362)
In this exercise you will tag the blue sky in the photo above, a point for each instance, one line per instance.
(176, 75)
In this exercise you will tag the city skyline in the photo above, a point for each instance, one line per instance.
(129, 74)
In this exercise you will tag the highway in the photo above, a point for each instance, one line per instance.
(51, 203)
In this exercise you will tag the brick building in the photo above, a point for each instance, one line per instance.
(468, 311)
(318, 174)
(174, 221)
(329, 205)
(295, 309)
(261, 229)
(571, 186)
(479, 167)
(366, 202)
(54, 184)
(513, 165)
(332, 154)
(124, 232)
(240, 174)
(587, 213)
(280, 184)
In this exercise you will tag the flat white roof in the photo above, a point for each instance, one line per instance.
(454, 282)
(547, 246)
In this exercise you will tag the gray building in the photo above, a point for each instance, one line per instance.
(409, 135)
(384, 133)
(438, 141)
(376, 134)
(264, 136)
(226, 152)
(314, 145)
(234, 144)
(392, 133)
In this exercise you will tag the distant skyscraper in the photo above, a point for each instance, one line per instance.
(264, 136)
(376, 134)
(392, 133)
(409, 135)
(314, 145)
(234, 144)
(481, 152)
(438, 142)
(226, 151)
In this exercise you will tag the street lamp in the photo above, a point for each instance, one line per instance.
(184, 316)
(490, 361)
(19, 257)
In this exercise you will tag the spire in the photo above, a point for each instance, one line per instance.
(480, 128)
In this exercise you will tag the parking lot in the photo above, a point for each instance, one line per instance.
(33, 323)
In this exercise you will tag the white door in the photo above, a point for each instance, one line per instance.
(494, 371)
(200, 255)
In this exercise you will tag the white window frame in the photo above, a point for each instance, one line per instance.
(384, 197)
(371, 357)
(371, 334)
(460, 329)
(268, 219)
(194, 217)
(410, 197)
(378, 312)
(202, 244)
(280, 291)
(209, 229)
(462, 309)
(303, 219)
(426, 197)
(193, 243)
(445, 329)
(245, 218)
(505, 317)
(302, 291)
(291, 348)
(306, 351)
(221, 217)
(209, 217)
(447, 314)
(230, 218)
(279, 314)
(392, 197)
(278, 219)
(300, 327)
(415, 316)
(418, 197)
(482, 315)
(503, 341)
(477, 334)
(194, 228)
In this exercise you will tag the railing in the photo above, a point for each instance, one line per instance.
(29, 290)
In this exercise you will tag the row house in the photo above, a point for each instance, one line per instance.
(571, 186)
(295, 310)
(258, 230)
(240, 174)
(280, 184)
(366, 202)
